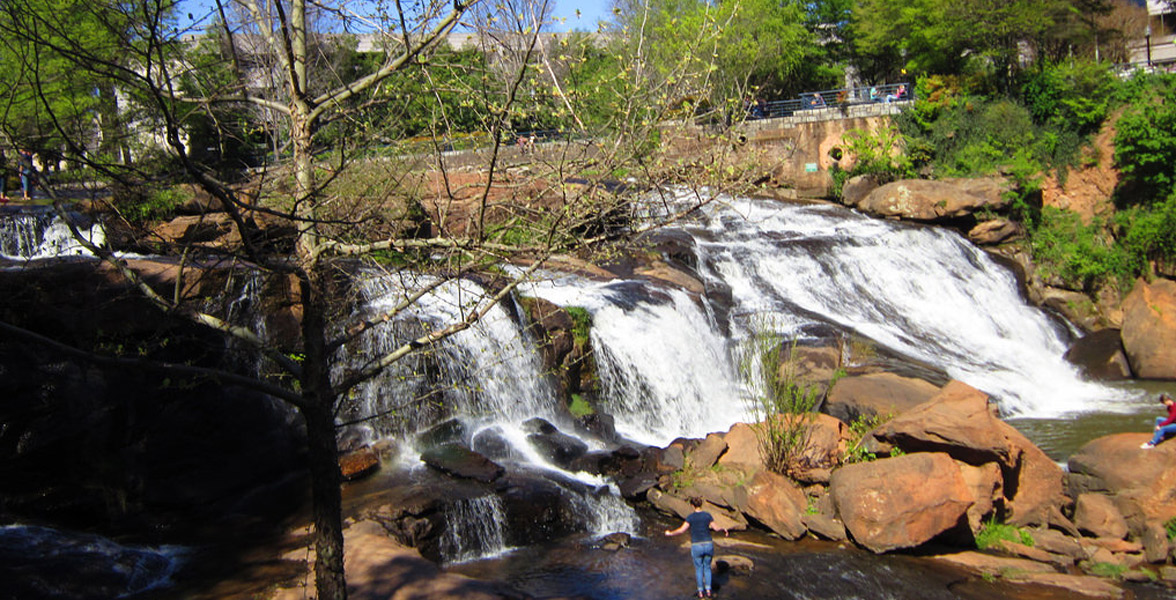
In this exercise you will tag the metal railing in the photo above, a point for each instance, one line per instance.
(892, 92)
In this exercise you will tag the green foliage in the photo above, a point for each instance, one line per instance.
(992, 533)
(581, 324)
(153, 203)
(1070, 95)
(783, 404)
(1148, 233)
(1108, 570)
(855, 452)
(1145, 142)
(579, 407)
(1083, 256)
(1170, 528)
(879, 153)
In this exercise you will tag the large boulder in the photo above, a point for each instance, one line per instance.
(777, 503)
(960, 421)
(1096, 515)
(1114, 463)
(1149, 329)
(901, 502)
(932, 201)
(1100, 355)
(825, 445)
(876, 394)
(995, 231)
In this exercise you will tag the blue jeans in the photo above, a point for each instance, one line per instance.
(1163, 432)
(702, 553)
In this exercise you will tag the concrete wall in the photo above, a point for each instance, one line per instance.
(799, 149)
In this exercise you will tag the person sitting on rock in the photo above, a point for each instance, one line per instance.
(1164, 426)
(702, 547)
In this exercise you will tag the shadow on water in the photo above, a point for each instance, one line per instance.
(659, 568)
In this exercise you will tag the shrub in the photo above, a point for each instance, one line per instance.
(855, 452)
(783, 405)
(1083, 256)
(1145, 144)
(1070, 95)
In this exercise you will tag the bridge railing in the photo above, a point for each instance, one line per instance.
(892, 92)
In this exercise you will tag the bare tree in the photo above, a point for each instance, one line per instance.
(278, 68)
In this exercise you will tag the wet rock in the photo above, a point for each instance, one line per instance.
(1149, 329)
(1077, 585)
(824, 526)
(990, 564)
(601, 425)
(1100, 355)
(615, 541)
(459, 461)
(673, 457)
(901, 502)
(560, 448)
(876, 395)
(448, 431)
(1096, 514)
(635, 487)
(359, 463)
(492, 443)
(733, 564)
(540, 426)
(777, 503)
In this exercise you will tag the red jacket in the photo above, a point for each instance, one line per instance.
(1171, 415)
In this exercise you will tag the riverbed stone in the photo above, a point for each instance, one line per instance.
(1100, 355)
(1096, 514)
(734, 564)
(991, 564)
(824, 526)
(777, 503)
(901, 502)
(708, 451)
(359, 463)
(876, 395)
(1034, 553)
(1085, 586)
(1056, 542)
(1149, 328)
(459, 461)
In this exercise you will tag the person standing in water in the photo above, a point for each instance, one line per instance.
(1165, 426)
(702, 546)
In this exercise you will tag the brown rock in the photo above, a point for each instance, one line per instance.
(925, 200)
(985, 483)
(1076, 306)
(1057, 542)
(900, 502)
(360, 463)
(708, 451)
(1149, 329)
(1096, 514)
(993, 565)
(734, 564)
(742, 447)
(876, 394)
(1079, 585)
(824, 526)
(1037, 554)
(1100, 355)
(1038, 483)
(995, 231)
(1155, 542)
(856, 188)
(1115, 463)
(777, 503)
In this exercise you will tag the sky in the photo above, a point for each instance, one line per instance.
(565, 12)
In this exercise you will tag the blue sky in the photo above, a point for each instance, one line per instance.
(590, 12)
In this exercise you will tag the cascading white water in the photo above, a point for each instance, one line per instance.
(922, 292)
(489, 377)
(473, 529)
(41, 233)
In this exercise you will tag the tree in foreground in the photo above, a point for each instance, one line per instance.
(278, 70)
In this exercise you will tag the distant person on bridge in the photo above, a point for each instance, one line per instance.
(27, 172)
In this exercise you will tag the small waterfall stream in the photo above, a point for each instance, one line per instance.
(39, 232)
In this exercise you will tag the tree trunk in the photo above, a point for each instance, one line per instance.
(322, 450)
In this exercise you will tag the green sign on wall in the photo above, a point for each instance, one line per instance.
(810, 167)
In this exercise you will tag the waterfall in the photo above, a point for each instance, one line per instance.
(473, 529)
(36, 233)
(668, 364)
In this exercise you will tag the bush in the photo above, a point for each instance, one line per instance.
(1083, 256)
(1070, 95)
(1148, 234)
(783, 405)
(1145, 144)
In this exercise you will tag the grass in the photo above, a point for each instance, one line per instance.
(992, 533)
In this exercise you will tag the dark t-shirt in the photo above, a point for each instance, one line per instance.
(699, 526)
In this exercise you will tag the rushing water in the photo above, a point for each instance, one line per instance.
(39, 232)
